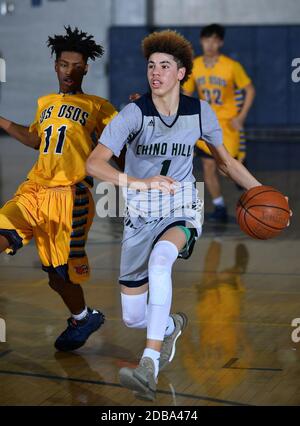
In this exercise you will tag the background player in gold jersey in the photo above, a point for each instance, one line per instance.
(54, 205)
(216, 78)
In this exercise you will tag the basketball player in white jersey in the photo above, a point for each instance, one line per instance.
(160, 130)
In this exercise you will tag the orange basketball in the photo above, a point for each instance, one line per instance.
(262, 212)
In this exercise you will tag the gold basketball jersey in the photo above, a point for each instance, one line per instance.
(217, 85)
(69, 126)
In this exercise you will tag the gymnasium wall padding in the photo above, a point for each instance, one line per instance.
(266, 52)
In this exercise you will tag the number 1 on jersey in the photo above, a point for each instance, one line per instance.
(61, 139)
(48, 133)
(165, 167)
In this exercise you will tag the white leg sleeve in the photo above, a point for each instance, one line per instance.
(160, 265)
(134, 310)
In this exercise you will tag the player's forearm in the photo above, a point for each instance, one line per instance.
(102, 170)
(248, 101)
(19, 132)
(239, 174)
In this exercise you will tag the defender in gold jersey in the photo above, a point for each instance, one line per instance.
(54, 205)
(217, 78)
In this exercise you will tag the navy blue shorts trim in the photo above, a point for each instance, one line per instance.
(62, 271)
(133, 284)
(13, 238)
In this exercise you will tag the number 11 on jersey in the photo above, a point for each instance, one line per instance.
(60, 140)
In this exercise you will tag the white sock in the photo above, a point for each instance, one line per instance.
(170, 327)
(80, 316)
(154, 355)
(219, 201)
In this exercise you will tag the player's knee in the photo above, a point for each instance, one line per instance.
(134, 310)
(9, 238)
(159, 257)
(133, 319)
(162, 257)
(56, 282)
(4, 243)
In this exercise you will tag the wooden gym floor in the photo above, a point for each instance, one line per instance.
(240, 295)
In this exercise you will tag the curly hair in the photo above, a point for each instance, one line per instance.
(75, 41)
(174, 44)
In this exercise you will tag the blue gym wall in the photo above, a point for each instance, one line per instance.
(265, 51)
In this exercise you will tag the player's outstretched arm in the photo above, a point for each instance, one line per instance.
(98, 166)
(21, 133)
(233, 168)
